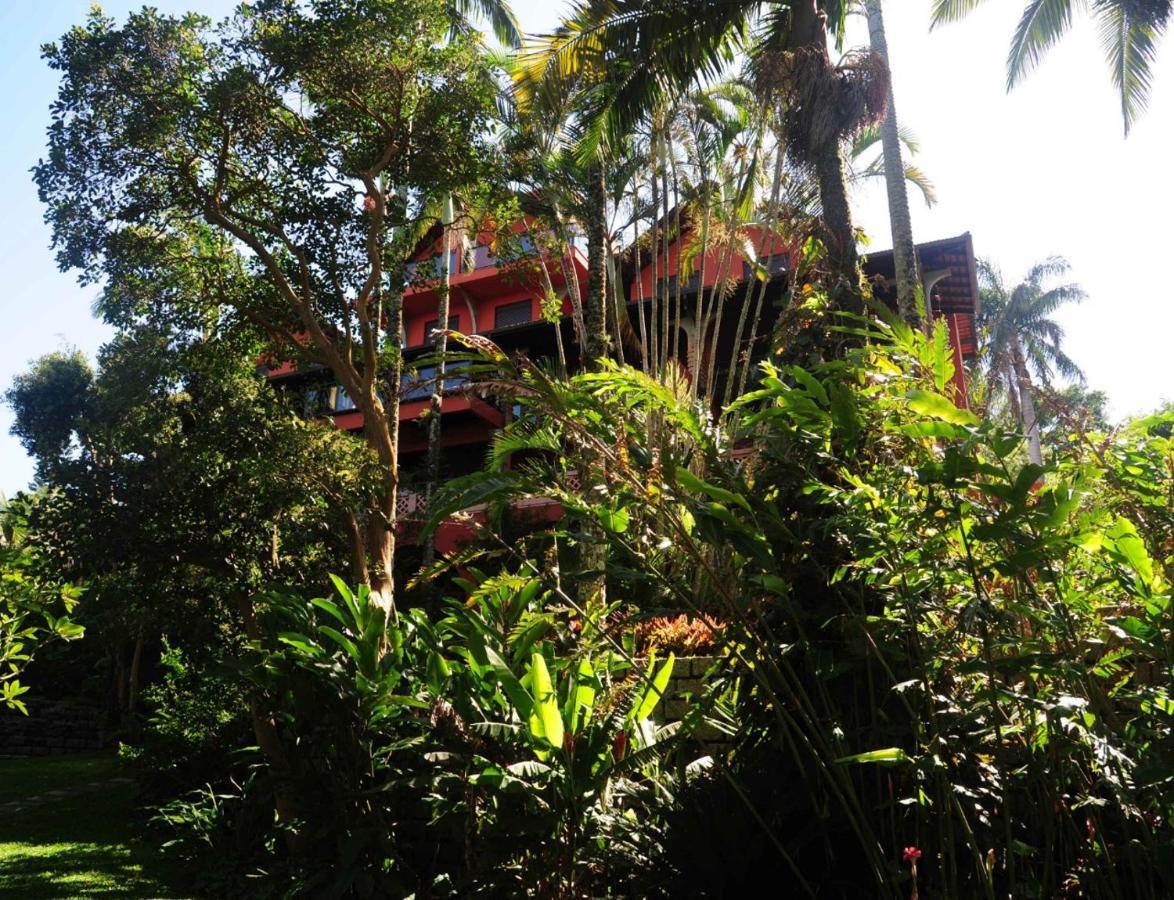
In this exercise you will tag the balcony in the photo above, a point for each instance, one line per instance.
(481, 257)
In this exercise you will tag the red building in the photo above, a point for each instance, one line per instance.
(503, 300)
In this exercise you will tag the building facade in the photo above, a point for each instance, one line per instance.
(508, 300)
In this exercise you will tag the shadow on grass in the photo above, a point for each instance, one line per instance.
(84, 845)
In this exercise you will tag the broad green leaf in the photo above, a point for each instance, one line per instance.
(936, 406)
(613, 520)
(654, 691)
(890, 756)
(1132, 549)
(584, 698)
(546, 722)
(690, 481)
(344, 642)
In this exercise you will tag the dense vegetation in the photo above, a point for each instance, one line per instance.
(937, 639)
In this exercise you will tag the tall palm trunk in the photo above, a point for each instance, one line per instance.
(900, 221)
(436, 406)
(1030, 420)
(594, 313)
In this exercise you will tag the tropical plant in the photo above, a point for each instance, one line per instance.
(1021, 338)
(34, 610)
(421, 751)
(929, 651)
(1129, 32)
(601, 45)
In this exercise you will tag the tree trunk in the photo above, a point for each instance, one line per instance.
(285, 798)
(837, 219)
(809, 37)
(381, 431)
(132, 684)
(1030, 420)
(436, 407)
(900, 221)
(595, 320)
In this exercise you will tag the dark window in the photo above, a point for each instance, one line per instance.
(512, 314)
(419, 384)
(342, 401)
(431, 325)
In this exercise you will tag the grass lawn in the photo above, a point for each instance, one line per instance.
(82, 844)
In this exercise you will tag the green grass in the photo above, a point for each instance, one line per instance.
(21, 778)
(84, 844)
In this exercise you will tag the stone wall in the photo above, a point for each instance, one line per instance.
(687, 682)
(54, 726)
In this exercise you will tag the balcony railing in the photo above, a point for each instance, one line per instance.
(480, 258)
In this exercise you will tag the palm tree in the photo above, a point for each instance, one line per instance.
(629, 57)
(1021, 338)
(1129, 32)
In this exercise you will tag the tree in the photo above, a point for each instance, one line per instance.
(1022, 338)
(628, 57)
(194, 487)
(1074, 409)
(46, 401)
(900, 221)
(283, 159)
(1129, 31)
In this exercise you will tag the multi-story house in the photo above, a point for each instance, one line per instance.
(503, 300)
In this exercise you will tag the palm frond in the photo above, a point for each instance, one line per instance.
(497, 13)
(629, 56)
(1052, 267)
(1129, 40)
(1050, 301)
(945, 11)
(921, 181)
(1042, 24)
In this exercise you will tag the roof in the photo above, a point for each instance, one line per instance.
(948, 266)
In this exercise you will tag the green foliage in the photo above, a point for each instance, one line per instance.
(34, 609)
(898, 589)
(450, 756)
(196, 719)
(47, 402)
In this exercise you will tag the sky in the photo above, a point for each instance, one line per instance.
(1043, 170)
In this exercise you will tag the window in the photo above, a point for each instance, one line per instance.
(512, 314)
(420, 383)
(432, 324)
(342, 401)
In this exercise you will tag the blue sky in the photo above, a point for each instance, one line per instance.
(1044, 170)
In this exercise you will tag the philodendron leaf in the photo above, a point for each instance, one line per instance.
(890, 756)
(936, 406)
(546, 722)
(614, 520)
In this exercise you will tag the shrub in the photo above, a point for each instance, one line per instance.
(929, 642)
(684, 634)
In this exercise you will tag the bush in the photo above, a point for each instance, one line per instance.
(935, 645)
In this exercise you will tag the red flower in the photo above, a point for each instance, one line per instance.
(369, 203)
(911, 855)
(620, 745)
